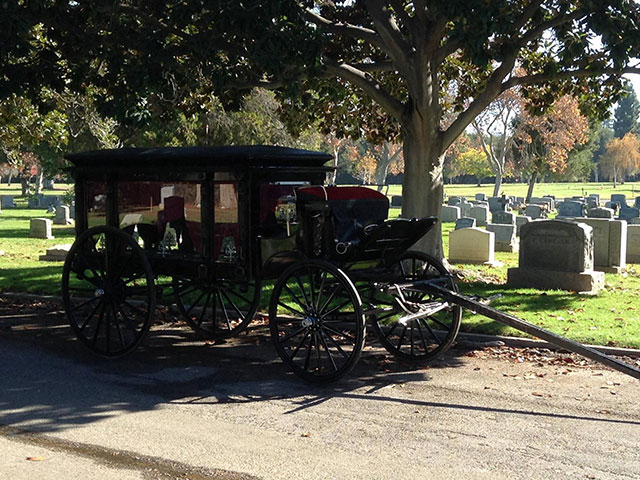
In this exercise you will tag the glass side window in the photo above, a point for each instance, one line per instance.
(225, 228)
(96, 203)
(162, 216)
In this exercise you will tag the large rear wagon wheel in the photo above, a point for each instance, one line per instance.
(422, 339)
(316, 321)
(108, 291)
(219, 309)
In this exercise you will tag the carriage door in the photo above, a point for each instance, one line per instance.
(226, 237)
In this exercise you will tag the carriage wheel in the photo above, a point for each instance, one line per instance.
(316, 321)
(219, 309)
(108, 291)
(422, 339)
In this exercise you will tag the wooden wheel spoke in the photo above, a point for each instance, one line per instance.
(339, 333)
(326, 347)
(336, 289)
(97, 330)
(292, 310)
(297, 349)
(196, 303)
(83, 304)
(295, 333)
(320, 290)
(295, 298)
(93, 312)
(308, 354)
(433, 334)
(337, 345)
(224, 311)
(241, 297)
(404, 331)
(335, 309)
(241, 314)
(204, 310)
(304, 293)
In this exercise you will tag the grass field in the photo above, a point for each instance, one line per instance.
(613, 317)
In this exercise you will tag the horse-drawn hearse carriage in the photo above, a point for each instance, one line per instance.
(209, 226)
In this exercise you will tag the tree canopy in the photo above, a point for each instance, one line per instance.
(625, 118)
(419, 70)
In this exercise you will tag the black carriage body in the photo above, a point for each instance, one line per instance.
(219, 201)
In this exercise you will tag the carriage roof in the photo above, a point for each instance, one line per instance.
(200, 158)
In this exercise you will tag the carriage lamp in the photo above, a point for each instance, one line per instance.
(286, 211)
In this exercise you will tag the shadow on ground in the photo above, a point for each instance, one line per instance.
(51, 382)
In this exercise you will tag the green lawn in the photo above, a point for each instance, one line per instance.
(613, 317)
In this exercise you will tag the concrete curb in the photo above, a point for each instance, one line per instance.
(475, 340)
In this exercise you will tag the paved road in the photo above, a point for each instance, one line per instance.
(178, 408)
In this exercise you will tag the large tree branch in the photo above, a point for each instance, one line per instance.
(372, 88)
(395, 44)
(345, 29)
(407, 20)
(492, 89)
(538, 30)
(527, 14)
(578, 73)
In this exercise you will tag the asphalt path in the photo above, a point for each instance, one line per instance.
(182, 408)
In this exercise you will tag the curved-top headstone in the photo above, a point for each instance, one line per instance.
(556, 254)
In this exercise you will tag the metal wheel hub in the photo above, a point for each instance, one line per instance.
(312, 322)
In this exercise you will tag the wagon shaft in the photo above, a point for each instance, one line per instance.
(531, 329)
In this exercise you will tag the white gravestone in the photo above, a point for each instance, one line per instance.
(40, 228)
(505, 237)
(609, 244)
(450, 214)
(633, 244)
(471, 245)
(62, 216)
(481, 214)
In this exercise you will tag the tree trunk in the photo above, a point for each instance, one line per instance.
(24, 183)
(39, 182)
(422, 184)
(498, 185)
(532, 183)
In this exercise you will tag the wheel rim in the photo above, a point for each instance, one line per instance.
(216, 310)
(108, 291)
(421, 339)
(316, 321)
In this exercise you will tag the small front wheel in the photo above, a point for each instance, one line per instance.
(398, 323)
(316, 320)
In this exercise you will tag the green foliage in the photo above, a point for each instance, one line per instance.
(625, 119)
(472, 162)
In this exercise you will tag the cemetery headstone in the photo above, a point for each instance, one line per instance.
(51, 209)
(619, 198)
(600, 212)
(505, 237)
(483, 196)
(465, 208)
(521, 220)
(506, 218)
(552, 201)
(498, 204)
(471, 245)
(609, 244)
(571, 209)
(453, 201)
(36, 201)
(57, 253)
(48, 184)
(7, 202)
(40, 228)
(481, 214)
(534, 211)
(595, 196)
(591, 203)
(450, 213)
(556, 254)
(396, 200)
(628, 213)
(637, 202)
(633, 244)
(465, 222)
(72, 211)
(62, 216)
